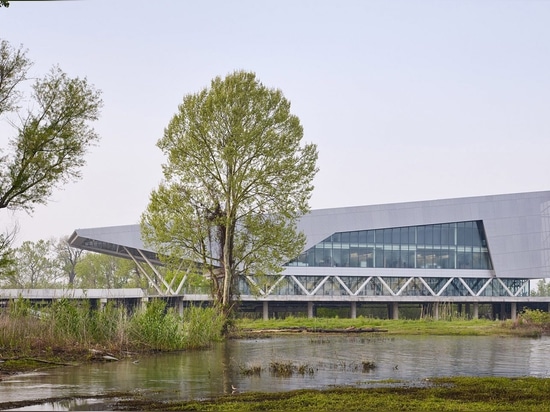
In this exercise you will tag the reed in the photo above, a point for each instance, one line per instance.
(70, 326)
(202, 326)
(156, 328)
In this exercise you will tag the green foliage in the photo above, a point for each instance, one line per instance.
(441, 394)
(96, 271)
(157, 328)
(236, 181)
(202, 326)
(51, 135)
(543, 288)
(535, 316)
(475, 327)
(36, 266)
(19, 308)
(74, 324)
(50, 143)
(69, 319)
(7, 259)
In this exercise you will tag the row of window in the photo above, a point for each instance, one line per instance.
(460, 245)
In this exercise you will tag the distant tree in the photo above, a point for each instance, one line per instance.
(35, 266)
(67, 258)
(236, 180)
(97, 271)
(4, 3)
(543, 288)
(51, 136)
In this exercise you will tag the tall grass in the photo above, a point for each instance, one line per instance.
(156, 328)
(72, 326)
(202, 326)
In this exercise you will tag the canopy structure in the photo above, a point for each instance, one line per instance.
(125, 242)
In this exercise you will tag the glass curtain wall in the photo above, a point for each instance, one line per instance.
(459, 245)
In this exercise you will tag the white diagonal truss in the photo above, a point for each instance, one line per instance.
(337, 285)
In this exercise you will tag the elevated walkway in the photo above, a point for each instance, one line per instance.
(504, 306)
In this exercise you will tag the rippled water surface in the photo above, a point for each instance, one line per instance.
(325, 361)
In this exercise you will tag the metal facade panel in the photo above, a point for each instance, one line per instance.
(517, 227)
(513, 224)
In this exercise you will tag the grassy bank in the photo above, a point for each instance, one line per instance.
(524, 326)
(441, 394)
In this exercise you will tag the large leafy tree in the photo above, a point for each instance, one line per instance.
(236, 180)
(51, 134)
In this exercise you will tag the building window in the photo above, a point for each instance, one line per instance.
(458, 245)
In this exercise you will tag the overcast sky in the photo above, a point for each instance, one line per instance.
(407, 100)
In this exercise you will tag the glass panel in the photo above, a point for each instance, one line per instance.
(311, 257)
(420, 258)
(486, 261)
(460, 234)
(393, 259)
(469, 233)
(429, 235)
(436, 235)
(412, 236)
(387, 236)
(445, 234)
(370, 236)
(363, 256)
(464, 260)
(363, 237)
(404, 238)
(420, 233)
(337, 257)
(379, 257)
(354, 257)
(379, 236)
(370, 257)
(395, 236)
(345, 238)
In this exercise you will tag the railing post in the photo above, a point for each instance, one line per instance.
(395, 310)
(310, 310)
(265, 310)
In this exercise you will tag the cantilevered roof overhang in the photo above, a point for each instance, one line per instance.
(120, 241)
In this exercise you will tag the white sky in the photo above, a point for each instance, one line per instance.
(406, 100)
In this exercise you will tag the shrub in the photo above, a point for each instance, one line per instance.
(157, 328)
(202, 326)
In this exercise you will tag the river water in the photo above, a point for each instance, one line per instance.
(319, 361)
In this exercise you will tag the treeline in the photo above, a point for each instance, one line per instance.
(543, 288)
(54, 263)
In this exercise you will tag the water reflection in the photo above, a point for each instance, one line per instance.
(332, 360)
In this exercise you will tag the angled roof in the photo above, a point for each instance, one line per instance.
(119, 241)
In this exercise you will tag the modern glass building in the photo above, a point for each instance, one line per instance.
(474, 249)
